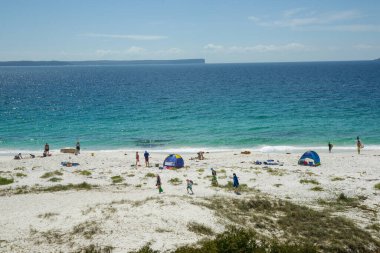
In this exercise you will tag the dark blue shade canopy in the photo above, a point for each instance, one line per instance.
(311, 155)
(174, 161)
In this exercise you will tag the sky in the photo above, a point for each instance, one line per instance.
(219, 31)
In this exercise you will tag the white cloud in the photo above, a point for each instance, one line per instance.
(304, 19)
(355, 28)
(213, 47)
(260, 48)
(254, 18)
(366, 46)
(126, 36)
(135, 50)
(170, 51)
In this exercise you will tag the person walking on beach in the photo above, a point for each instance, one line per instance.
(46, 150)
(330, 147)
(158, 184)
(359, 144)
(137, 159)
(146, 155)
(214, 181)
(77, 148)
(189, 186)
(235, 183)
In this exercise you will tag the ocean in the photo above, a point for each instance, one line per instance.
(262, 106)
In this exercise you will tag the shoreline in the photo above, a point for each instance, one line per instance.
(279, 149)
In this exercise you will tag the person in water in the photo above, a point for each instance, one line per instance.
(146, 156)
(330, 147)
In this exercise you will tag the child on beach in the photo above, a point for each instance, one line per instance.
(214, 181)
(158, 184)
(137, 159)
(189, 186)
(236, 183)
(146, 155)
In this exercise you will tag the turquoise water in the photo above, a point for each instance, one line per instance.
(177, 106)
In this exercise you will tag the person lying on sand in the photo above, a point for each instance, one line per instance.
(18, 156)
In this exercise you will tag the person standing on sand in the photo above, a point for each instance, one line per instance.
(158, 184)
(330, 147)
(214, 181)
(77, 148)
(137, 159)
(359, 144)
(189, 186)
(46, 150)
(146, 155)
(235, 183)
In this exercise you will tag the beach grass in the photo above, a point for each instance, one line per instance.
(19, 168)
(309, 181)
(237, 240)
(84, 172)
(95, 249)
(150, 174)
(175, 181)
(47, 215)
(117, 179)
(329, 233)
(199, 228)
(4, 181)
(19, 174)
(377, 186)
(337, 179)
(55, 179)
(51, 174)
(317, 189)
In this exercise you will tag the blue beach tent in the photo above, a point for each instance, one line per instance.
(310, 155)
(174, 161)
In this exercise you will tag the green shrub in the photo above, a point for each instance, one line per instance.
(309, 181)
(117, 179)
(150, 174)
(84, 172)
(4, 181)
(20, 174)
(199, 228)
(175, 181)
(52, 174)
(55, 179)
(317, 189)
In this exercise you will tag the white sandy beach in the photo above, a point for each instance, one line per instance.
(130, 214)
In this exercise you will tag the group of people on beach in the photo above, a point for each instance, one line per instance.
(189, 183)
(146, 157)
(359, 145)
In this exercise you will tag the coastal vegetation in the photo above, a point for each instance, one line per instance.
(4, 181)
(117, 179)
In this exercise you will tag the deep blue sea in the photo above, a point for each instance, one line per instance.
(212, 106)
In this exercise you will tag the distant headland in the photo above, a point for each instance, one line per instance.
(100, 62)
